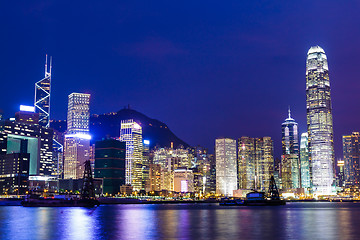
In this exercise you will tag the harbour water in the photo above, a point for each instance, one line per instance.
(312, 220)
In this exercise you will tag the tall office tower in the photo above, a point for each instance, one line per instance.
(110, 164)
(78, 113)
(131, 133)
(42, 96)
(290, 137)
(305, 161)
(319, 121)
(351, 154)
(226, 170)
(246, 163)
(77, 138)
(264, 162)
(290, 169)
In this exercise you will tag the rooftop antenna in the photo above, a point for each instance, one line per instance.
(46, 57)
(50, 64)
(289, 112)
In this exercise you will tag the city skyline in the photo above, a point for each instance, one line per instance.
(168, 77)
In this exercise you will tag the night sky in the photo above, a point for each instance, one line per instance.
(207, 69)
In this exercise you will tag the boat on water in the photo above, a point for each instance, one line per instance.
(256, 198)
(37, 201)
(87, 197)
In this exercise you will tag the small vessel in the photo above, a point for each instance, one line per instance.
(231, 202)
(257, 198)
(87, 197)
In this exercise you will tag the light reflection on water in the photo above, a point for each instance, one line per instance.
(202, 221)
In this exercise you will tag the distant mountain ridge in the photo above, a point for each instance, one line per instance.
(158, 133)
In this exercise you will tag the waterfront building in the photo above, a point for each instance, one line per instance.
(42, 96)
(290, 169)
(14, 173)
(351, 157)
(22, 137)
(183, 180)
(305, 162)
(226, 169)
(264, 162)
(319, 121)
(77, 138)
(110, 164)
(290, 172)
(155, 177)
(246, 163)
(131, 133)
(341, 173)
(255, 162)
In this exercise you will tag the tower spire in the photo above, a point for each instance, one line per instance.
(46, 58)
(289, 112)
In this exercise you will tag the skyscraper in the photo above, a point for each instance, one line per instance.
(305, 161)
(319, 121)
(246, 163)
(264, 162)
(290, 137)
(110, 164)
(290, 169)
(226, 171)
(42, 96)
(77, 138)
(78, 113)
(131, 133)
(351, 154)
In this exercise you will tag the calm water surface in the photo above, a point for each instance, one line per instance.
(193, 221)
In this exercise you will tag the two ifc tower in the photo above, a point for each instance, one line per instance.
(319, 171)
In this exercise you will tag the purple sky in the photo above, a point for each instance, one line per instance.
(207, 69)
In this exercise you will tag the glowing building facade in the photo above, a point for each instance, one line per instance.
(131, 133)
(264, 162)
(319, 121)
(246, 163)
(305, 161)
(290, 168)
(226, 170)
(351, 154)
(77, 138)
(183, 180)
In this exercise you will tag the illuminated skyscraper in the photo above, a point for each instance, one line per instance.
(226, 171)
(77, 138)
(78, 113)
(319, 121)
(290, 171)
(351, 154)
(305, 161)
(42, 96)
(131, 133)
(264, 162)
(246, 163)
(290, 137)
